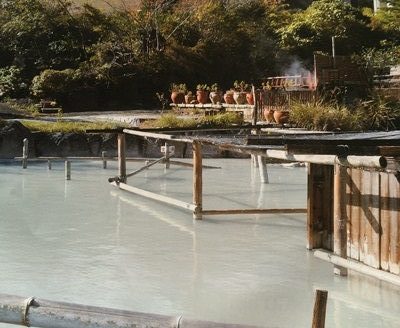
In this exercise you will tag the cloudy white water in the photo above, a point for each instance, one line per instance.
(84, 241)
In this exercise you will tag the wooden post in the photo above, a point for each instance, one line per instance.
(321, 298)
(167, 162)
(197, 180)
(121, 157)
(49, 164)
(262, 166)
(25, 150)
(255, 107)
(103, 156)
(67, 170)
(254, 159)
(340, 216)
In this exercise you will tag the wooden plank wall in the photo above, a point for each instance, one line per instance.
(320, 206)
(373, 226)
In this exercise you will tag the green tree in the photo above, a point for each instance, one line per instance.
(313, 28)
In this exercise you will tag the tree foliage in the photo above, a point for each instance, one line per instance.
(122, 56)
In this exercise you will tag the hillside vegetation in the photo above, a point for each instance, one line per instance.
(89, 58)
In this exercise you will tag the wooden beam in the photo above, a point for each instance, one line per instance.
(154, 196)
(197, 180)
(357, 266)
(121, 157)
(25, 151)
(340, 216)
(161, 136)
(145, 167)
(319, 312)
(255, 211)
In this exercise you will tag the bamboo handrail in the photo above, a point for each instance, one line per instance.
(49, 314)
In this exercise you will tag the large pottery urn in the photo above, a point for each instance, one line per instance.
(268, 115)
(240, 97)
(281, 116)
(190, 99)
(216, 97)
(177, 97)
(202, 96)
(228, 98)
(250, 98)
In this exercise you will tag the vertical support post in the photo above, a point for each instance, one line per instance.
(313, 206)
(262, 166)
(197, 180)
(340, 216)
(254, 118)
(49, 164)
(167, 162)
(103, 156)
(25, 150)
(319, 312)
(121, 157)
(333, 52)
(67, 170)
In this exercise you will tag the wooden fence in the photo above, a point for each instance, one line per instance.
(281, 99)
(372, 216)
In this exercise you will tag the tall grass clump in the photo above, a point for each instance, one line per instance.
(67, 127)
(214, 121)
(380, 113)
(324, 116)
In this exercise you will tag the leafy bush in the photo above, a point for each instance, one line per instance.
(324, 116)
(10, 81)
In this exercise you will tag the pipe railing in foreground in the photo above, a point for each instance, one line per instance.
(373, 162)
(43, 313)
(48, 314)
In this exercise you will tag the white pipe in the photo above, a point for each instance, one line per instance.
(48, 314)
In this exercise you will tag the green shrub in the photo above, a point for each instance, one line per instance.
(67, 127)
(324, 116)
(11, 83)
(380, 113)
(173, 121)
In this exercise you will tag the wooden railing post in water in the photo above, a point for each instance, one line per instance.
(103, 157)
(167, 162)
(197, 180)
(262, 166)
(67, 170)
(254, 118)
(25, 150)
(121, 158)
(321, 298)
(340, 216)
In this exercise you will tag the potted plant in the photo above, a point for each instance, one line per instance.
(228, 97)
(202, 93)
(178, 93)
(190, 98)
(241, 88)
(281, 116)
(215, 94)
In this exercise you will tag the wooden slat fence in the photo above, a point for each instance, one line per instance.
(373, 219)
